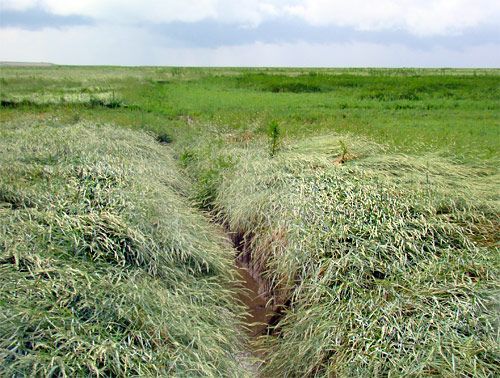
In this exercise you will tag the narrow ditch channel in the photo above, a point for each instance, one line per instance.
(252, 295)
(253, 290)
(265, 304)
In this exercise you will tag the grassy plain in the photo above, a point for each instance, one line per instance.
(448, 111)
(374, 223)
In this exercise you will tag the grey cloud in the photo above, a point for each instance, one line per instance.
(280, 41)
(213, 34)
(109, 44)
(38, 18)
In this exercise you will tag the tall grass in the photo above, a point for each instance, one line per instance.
(383, 271)
(387, 263)
(105, 268)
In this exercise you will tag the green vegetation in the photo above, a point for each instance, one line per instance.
(453, 112)
(380, 270)
(274, 134)
(368, 198)
(105, 267)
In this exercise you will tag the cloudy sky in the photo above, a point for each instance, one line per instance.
(316, 33)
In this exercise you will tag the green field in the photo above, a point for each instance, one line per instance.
(365, 200)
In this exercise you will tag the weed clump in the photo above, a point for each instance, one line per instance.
(112, 103)
(164, 138)
(7, 103)
(294, 88)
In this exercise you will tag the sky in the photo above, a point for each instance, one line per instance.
(310, 33)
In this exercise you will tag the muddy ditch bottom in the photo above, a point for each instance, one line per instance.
(251, 295)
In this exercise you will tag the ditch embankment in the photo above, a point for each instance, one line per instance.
(380, 260)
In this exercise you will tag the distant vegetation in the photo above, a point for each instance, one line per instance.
(366, 200)
(26, 64)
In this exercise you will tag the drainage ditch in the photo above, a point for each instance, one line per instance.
(251, 294)
(264, 303)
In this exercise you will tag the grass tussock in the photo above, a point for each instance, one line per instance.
(377, 258)
(105, 269)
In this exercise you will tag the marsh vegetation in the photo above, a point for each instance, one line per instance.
(363, 203)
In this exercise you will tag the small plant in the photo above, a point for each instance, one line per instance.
(186, 157)
(95, 102)
(274, 135)
(343, 152)
(8, 104)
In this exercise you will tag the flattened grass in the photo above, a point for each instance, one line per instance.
(105, 268)
(381, 258)
(389, 261)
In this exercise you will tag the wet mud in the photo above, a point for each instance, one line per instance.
(252, 295)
